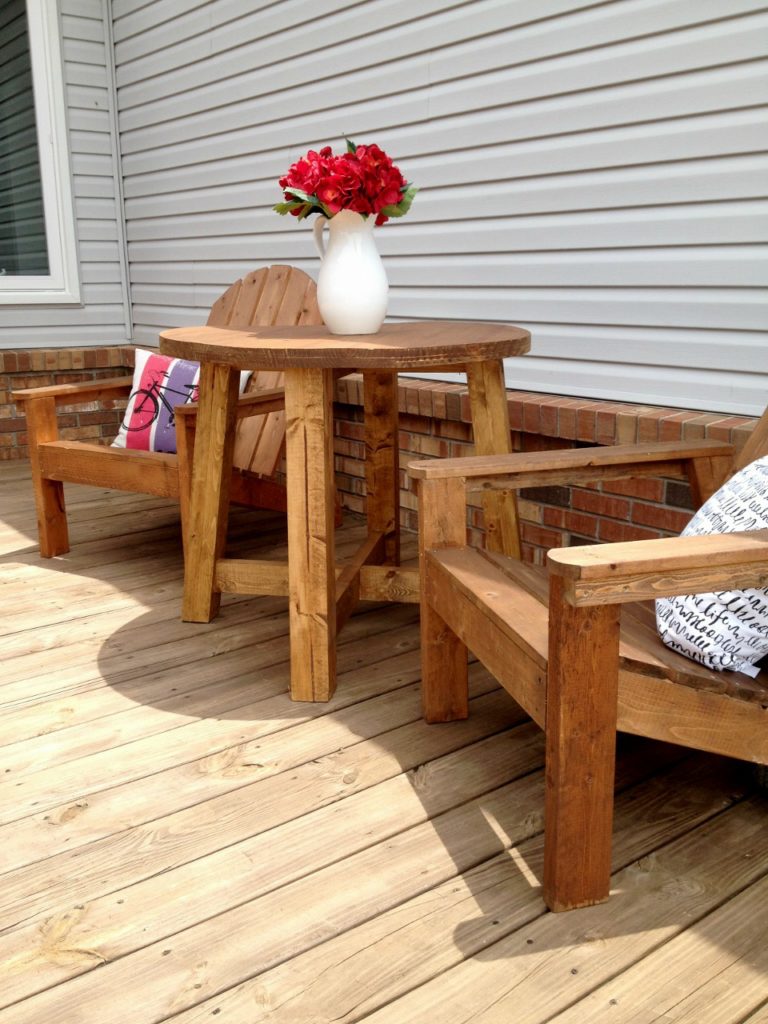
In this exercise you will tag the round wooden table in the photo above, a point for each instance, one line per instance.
(322, 595)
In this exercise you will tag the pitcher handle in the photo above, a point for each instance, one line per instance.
(317, 230)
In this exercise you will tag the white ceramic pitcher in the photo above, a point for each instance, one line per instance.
(352, 285)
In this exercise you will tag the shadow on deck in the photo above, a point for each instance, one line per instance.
(182, 843)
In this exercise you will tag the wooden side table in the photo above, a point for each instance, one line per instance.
(321, 594)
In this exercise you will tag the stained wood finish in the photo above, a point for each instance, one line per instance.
(65, 393)
(487, 470)
(398, 346)
(173, 828)
(444, 683)
(311, 359)
(643, 570)
(278, 294)
(311, 576)
(580, 727)
(49, 493)
(490, 428)
(209, 499)
(382, 468)
(265, 298)
(597, 680)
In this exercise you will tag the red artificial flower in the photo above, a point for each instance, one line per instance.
(363, 180)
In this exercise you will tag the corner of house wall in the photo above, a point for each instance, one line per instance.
(117, 166)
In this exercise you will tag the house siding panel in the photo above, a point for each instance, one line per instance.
(103, 315)
(594, 171)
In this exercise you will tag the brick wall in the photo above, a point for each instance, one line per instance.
(435, 422)
(41, 367)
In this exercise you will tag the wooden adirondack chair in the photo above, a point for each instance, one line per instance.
(273, 295)
(575, 671)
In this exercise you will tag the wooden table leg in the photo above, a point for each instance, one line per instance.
(209, 498)
(382, 468)
(311, 548)
(490, 425)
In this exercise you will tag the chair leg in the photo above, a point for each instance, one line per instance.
(49, 494)
(444, 678)
(582, 691)
(444, 675)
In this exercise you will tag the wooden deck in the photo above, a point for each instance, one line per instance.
(180, 842)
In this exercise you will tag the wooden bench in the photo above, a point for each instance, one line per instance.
(561, 647)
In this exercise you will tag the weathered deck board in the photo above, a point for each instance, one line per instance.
(174, 829)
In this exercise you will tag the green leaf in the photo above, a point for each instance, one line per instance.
(283, 208)
(351, 147)
(303, 196)
(400, 209)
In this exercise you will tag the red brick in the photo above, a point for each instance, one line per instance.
(671, 427)
(554, 517)
(439, 405)
(578, 522)
(454, 430)
(549, 419)
(515, 410)
(13, 423)
(647, 428)
(585, 424)
(610, 530)
(531, 418)
(647, 487)
(605, 427)
(721, 429)
(541, 537)
(600, 504)
(453, 405)
(663, 518)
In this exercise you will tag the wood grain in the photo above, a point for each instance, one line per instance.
(311, 559)
(484, 468)
(209, 497)
(582, 694)
(490, 428)
(179, 830)
(395, 346)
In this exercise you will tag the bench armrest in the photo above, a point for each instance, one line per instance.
(571, 465)
(669, 567)
(255, 403)
(81, 391)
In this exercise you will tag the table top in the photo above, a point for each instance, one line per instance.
(417, 345)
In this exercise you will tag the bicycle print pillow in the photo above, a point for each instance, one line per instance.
(159, 384)
(727, 629)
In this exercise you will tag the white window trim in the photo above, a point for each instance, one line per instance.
(62, 284)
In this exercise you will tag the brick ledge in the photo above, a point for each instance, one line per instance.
(582, 420)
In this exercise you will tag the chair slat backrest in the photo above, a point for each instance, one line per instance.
(273, 296)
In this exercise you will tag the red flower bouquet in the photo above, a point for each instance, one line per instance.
(363, 180)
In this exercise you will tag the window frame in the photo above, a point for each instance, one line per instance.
(62, 284)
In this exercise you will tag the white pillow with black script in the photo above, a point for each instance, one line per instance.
(727, 629)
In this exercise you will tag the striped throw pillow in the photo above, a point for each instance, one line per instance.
(160, 383)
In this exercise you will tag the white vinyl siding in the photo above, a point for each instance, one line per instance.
(594, 171)
(102, 315)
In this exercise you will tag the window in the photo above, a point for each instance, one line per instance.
(38, 255)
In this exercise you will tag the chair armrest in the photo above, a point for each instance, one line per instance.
(571, 465)
(82, 391)
(647, 569)
(255, 403)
